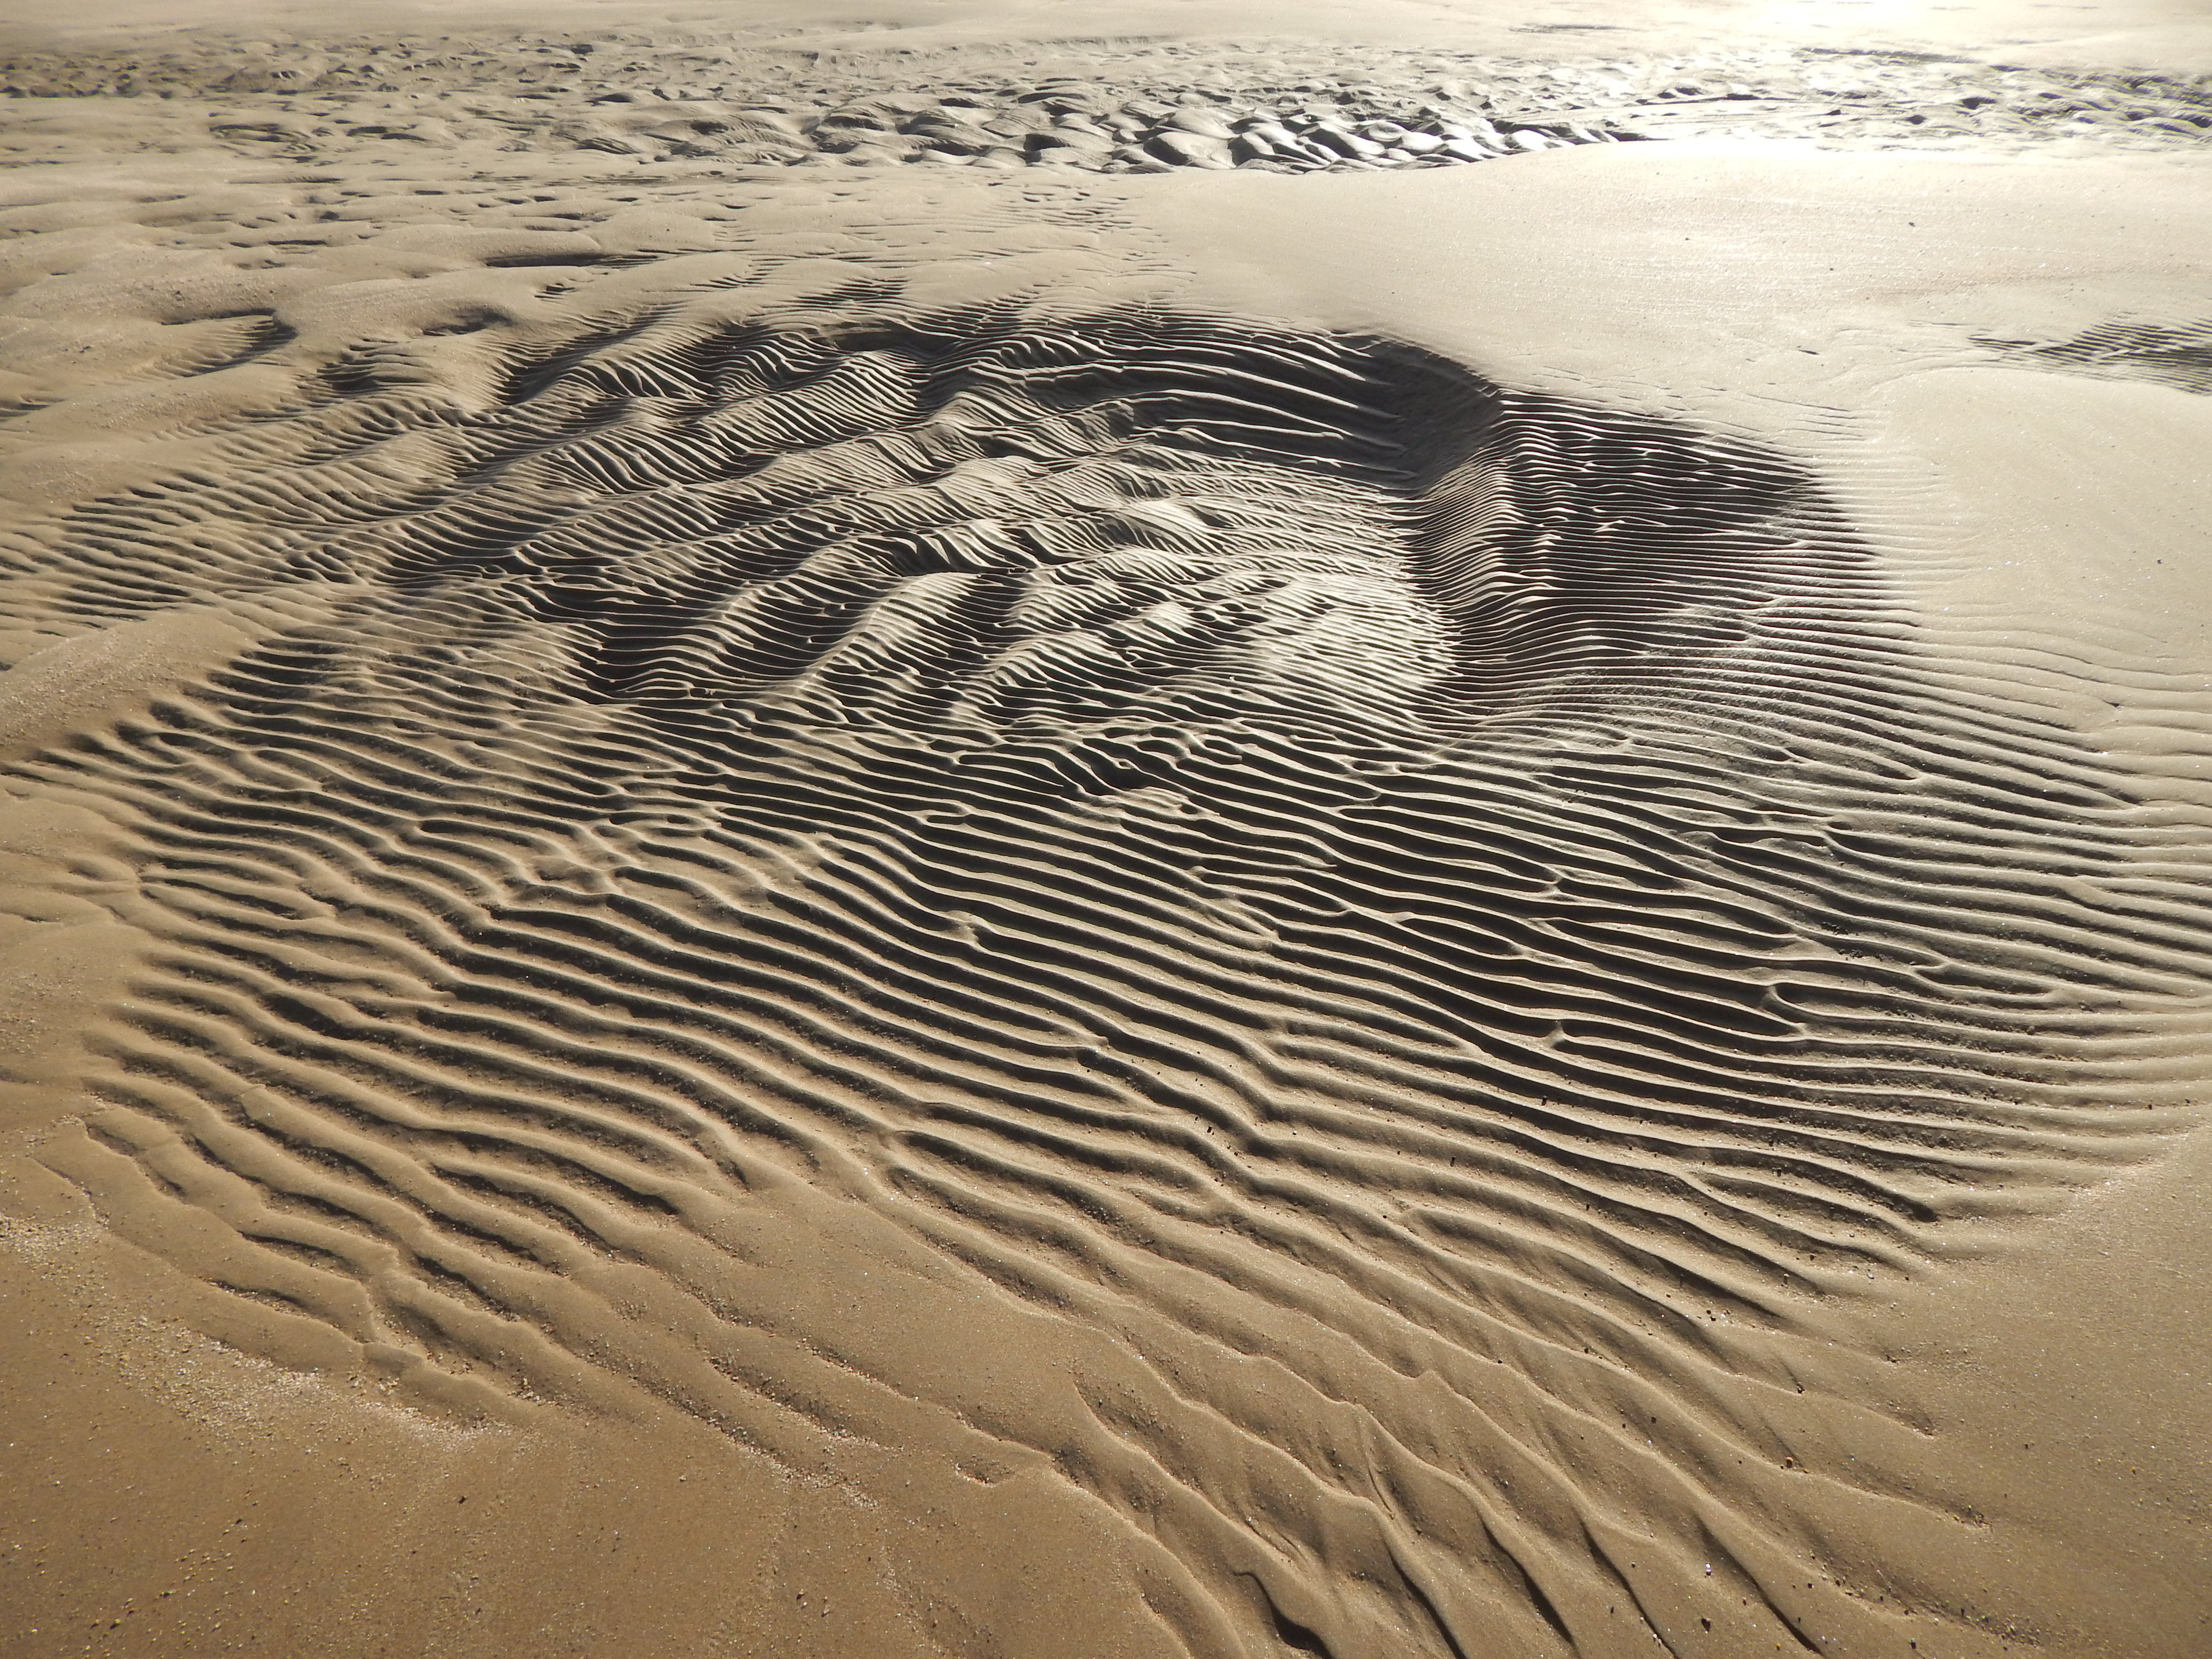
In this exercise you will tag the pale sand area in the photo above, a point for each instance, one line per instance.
(869, 910)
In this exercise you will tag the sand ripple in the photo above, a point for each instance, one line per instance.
(1358, 953)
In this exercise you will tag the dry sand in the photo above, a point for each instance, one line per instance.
(1044, 831)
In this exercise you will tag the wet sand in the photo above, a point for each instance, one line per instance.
(1018, 832)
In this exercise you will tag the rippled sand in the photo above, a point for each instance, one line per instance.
(1025, 833)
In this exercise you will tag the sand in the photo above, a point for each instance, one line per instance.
(1038, 830)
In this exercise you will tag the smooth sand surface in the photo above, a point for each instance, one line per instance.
(1047, 831)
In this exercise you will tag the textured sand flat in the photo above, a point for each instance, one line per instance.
(1023, 833)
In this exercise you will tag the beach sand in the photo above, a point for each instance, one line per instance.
(1044, 831)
